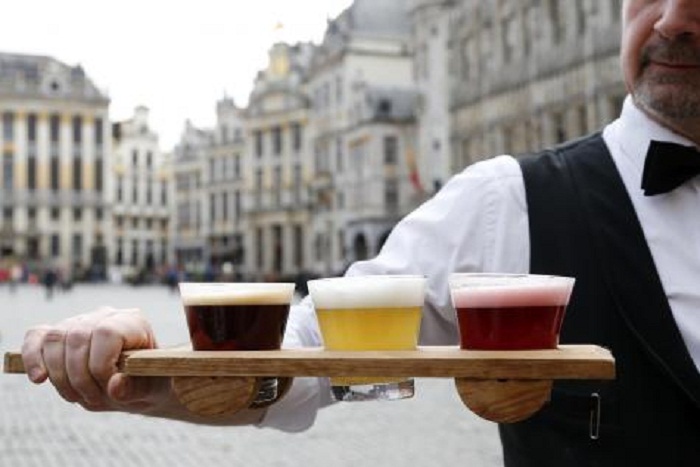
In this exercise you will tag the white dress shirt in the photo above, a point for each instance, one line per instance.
(479, 222)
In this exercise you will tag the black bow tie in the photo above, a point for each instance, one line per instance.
(667, 166)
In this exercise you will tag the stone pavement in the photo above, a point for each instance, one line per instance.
(37, 428)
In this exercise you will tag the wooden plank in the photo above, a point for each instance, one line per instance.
(566, 362)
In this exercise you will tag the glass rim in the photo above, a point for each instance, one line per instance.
(236, 293)
(495, 278)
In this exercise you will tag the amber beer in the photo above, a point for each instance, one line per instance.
(510, 311)
(369, 313)
(238, 316)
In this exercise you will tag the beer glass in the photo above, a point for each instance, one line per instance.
(238, 316)
(509, 311)
(369, 313)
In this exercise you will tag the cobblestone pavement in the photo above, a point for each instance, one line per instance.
(37, 428)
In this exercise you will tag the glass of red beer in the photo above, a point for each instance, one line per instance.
(509, 311)
(238, 316)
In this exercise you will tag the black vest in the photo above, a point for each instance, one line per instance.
(583, 224)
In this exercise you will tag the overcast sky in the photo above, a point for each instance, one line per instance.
(177, 57)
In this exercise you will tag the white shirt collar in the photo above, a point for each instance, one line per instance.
(633, 131)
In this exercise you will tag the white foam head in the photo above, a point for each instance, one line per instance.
(368, 292)
(509, 290)
(236, 293)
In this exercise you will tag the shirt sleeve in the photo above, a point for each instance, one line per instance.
(476, 223)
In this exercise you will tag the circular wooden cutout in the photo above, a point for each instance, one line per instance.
(504, 401)
(211, 396)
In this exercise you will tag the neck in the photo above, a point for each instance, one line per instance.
(688, 127)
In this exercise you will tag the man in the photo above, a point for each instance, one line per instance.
(577, 210)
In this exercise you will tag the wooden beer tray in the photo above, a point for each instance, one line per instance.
(501, 386)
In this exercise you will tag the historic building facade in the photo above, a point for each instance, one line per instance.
(225, 227)
(527, 74)
(430, 45)
(366, 46)
(142, 181)
(54, 168)
(278, 167)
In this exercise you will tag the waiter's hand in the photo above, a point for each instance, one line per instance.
(79, 356)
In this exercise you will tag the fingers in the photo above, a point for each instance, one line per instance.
(32, 354)
(80, 355)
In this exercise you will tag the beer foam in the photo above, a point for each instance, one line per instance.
(528, 292)
(237, 293)
(368, 292)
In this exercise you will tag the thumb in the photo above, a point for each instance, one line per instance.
(142, 391)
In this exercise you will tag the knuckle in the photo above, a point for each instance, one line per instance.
(54, 335)
(78, 338)
(103, 331)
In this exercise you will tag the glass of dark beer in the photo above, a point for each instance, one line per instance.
(238, 316)
(509, 311)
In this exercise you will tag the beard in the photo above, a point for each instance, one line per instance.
(673, 95)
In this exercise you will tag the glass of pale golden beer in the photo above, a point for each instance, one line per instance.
(238, 316)
(364, 313)
(509, 311)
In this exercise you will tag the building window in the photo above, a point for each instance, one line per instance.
(258, 187)
(31, 169)
(339, 154)
(55, 170)
(77, 247)
(164, 193)
(77, 214)
(98, 132)
(135, 191)
(120, 253)
(298, 246)
(224, 206)
(278, 185)
(390, 150)
(237, 204)
(559, 127)
(99, 181)
(7, 216)
(77, 125)
(55, 214)
(55, 246)
(98, 214)
(557, 21)
(277, 140)
(212, 207)
(77, 172)
(237, 166)
(297, 183)
(134, 158)
(55, 128)
(509, 37)
(297, 134)
(258, 135)
(260, 248)
(149, 192)
(134, 252)
(31, 128)
(8, 176)
(8, 126)
(120, 189)
(149, 159)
